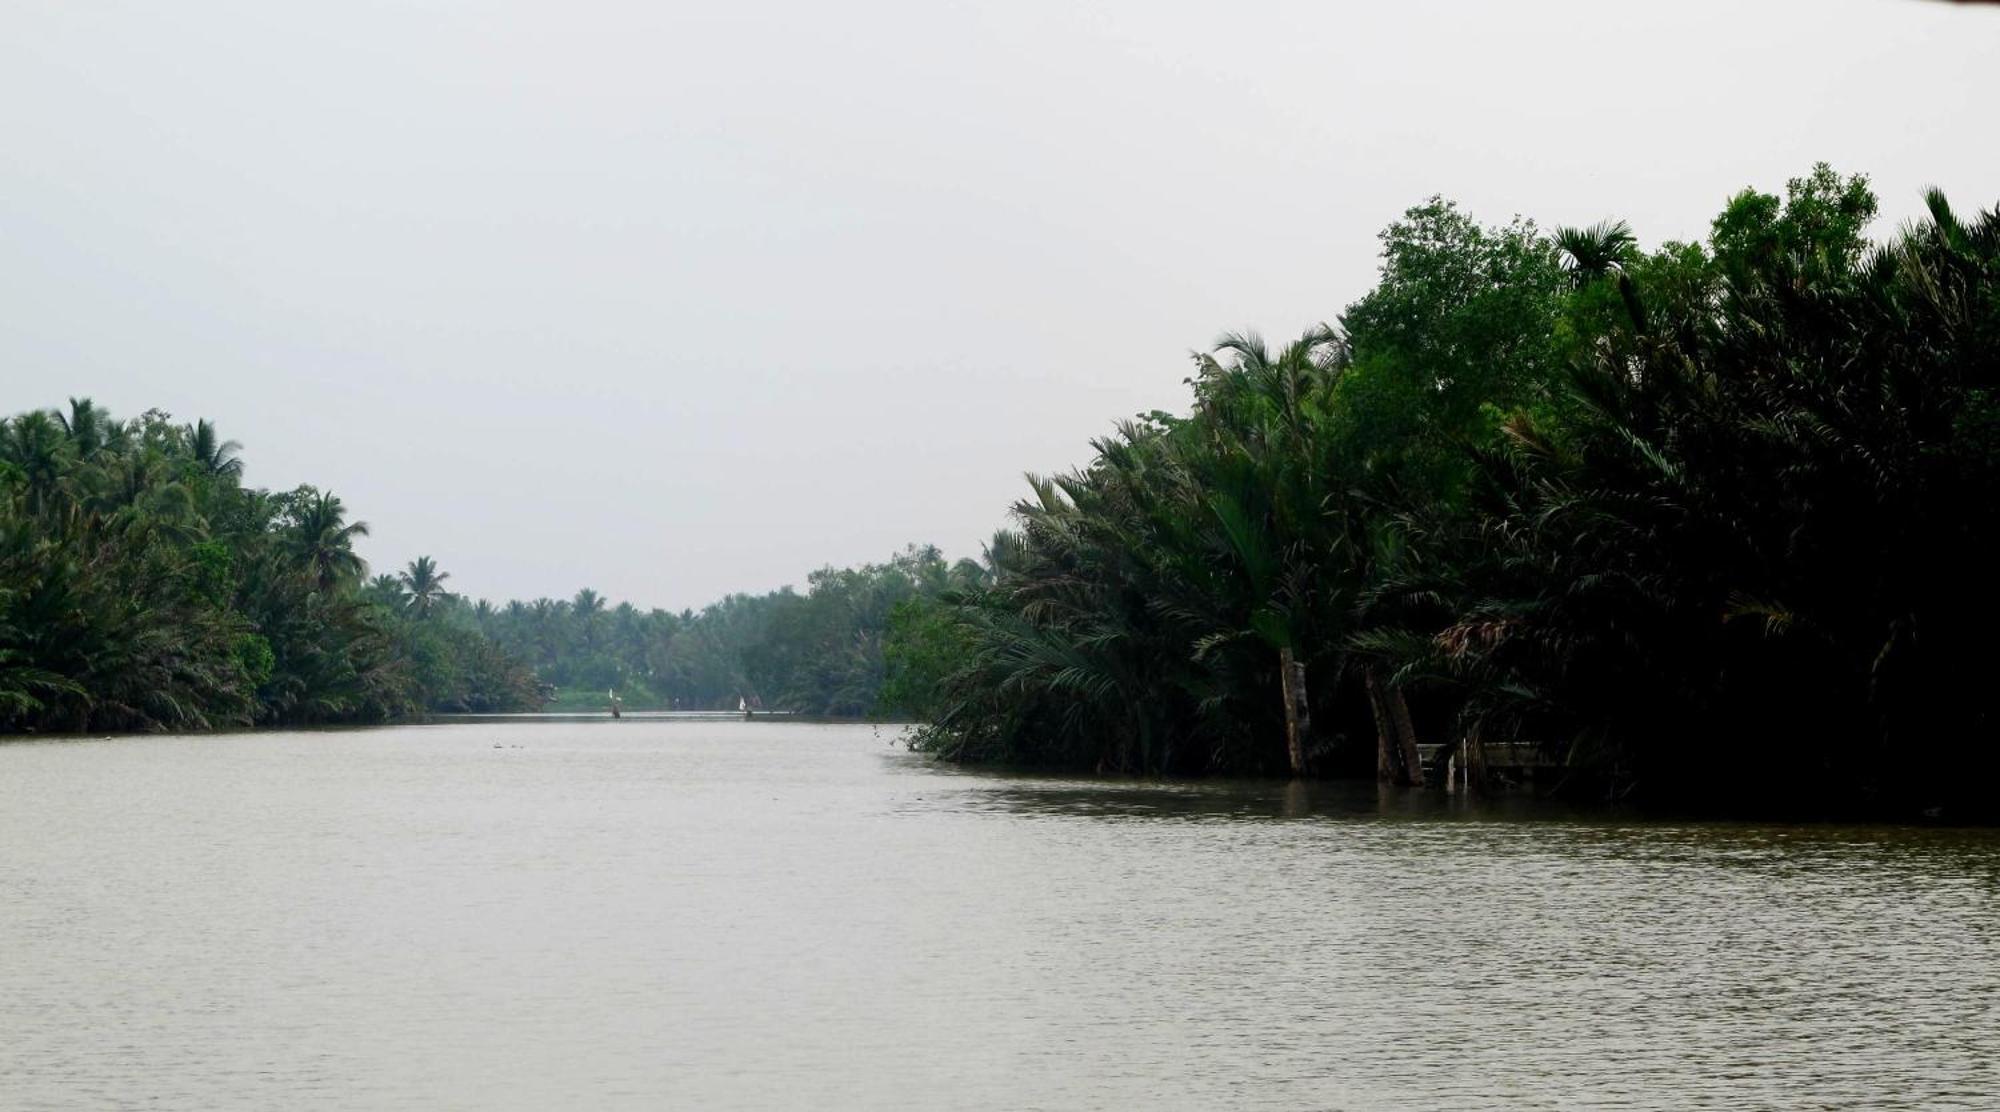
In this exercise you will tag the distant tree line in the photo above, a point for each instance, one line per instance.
(820, 652)
(1712, 520)
(143, 587)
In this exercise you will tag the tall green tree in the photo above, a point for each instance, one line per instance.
(424, 585)
(322, 538)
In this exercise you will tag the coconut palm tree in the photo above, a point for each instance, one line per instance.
(37, 446)
(587, 612)
(212, 455)
(89, 427)
(425, 584)
(389, 591)
(321, 539)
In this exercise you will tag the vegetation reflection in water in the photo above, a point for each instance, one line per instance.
(1351, 803)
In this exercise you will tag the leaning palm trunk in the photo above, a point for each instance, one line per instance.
(1298, 711)
(1396, 757)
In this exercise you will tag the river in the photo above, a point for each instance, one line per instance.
(652, 913)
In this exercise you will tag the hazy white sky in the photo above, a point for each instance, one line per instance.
(675, 300)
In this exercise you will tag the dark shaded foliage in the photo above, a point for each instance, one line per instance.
(1704, 524)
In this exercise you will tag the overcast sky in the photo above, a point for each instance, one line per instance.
(673, 300)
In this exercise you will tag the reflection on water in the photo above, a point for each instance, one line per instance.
(645, 914)
(1231, 800)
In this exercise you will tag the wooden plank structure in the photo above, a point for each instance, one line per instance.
(1493, 763)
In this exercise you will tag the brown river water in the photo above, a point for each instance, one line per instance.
(702, 914)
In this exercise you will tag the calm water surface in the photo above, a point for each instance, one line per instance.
(655, 914)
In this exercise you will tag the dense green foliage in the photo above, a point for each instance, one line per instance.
(1695, 521)
(820, 652)
(142, 587)
(1709, 518)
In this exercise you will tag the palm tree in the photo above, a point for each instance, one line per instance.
(426, 585)
(1259, 485)
(35, 445)
(86, 423)
(588, 609)
(1601, 251)
(212, 455)
(388, 590)
(322, 540)
(1000, 554)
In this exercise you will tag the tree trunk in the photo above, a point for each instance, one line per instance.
(1472, 757)
(1406, 736)
(1298, 712)
(1396, 757)
(1386, 748)
(1385, 761)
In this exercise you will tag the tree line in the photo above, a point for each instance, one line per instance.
(1694, 523)
(817, 652)
(144, 587)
